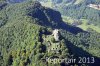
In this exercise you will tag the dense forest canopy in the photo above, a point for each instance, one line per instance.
(80, 10)
(77, 9)
(26, 29)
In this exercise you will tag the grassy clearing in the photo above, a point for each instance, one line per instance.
(47, 4)
(67, 19)
(78, 1)
(83, 26)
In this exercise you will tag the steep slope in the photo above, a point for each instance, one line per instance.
(21, 43)
(77, 9)
(23, 31)
(81, 11)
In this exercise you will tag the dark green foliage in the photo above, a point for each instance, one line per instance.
(23, 27)
(81, 11)
(84, 41)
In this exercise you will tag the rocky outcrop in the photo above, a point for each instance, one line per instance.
(56, 34)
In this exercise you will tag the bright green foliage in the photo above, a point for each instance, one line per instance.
(80, 10)
(23, 29)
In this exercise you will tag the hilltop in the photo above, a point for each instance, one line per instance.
(26, 36)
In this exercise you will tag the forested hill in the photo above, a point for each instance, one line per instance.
(26, 29)
(77, 9)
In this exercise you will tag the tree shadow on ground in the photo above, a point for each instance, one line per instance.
(79, 52)
(50, 18)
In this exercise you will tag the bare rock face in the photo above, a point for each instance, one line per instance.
(56, 34)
